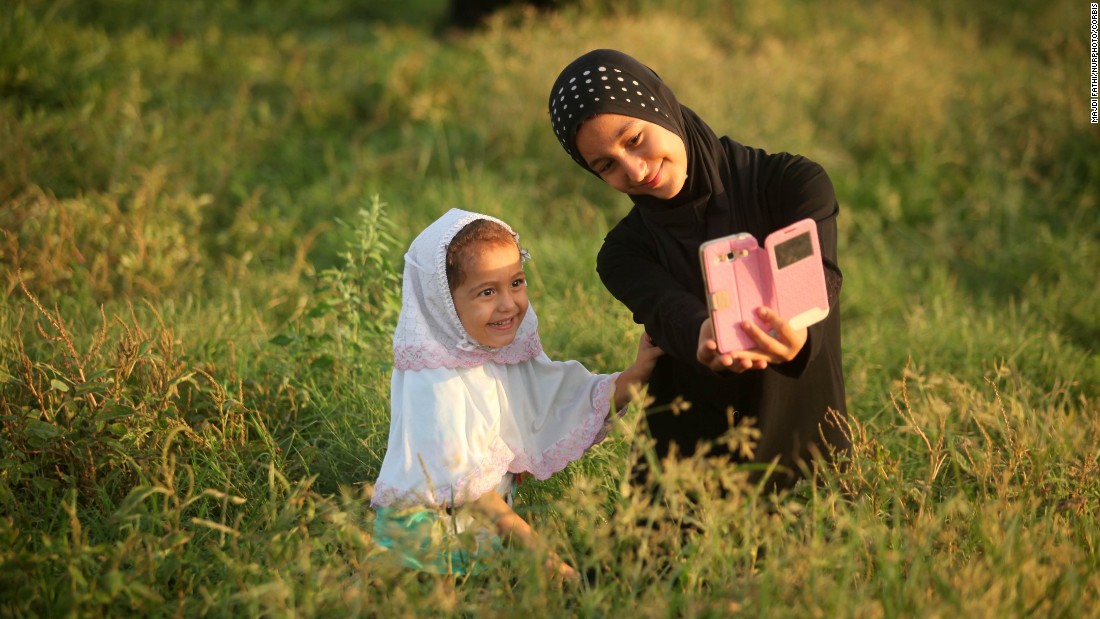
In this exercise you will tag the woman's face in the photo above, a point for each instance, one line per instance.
(634, 156)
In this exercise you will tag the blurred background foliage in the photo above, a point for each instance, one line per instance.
(203, 208)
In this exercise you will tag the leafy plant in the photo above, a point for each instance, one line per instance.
(199, 293)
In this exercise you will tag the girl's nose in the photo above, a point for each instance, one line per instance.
(505, 301)
(636, 168)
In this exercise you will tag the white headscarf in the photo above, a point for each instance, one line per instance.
(464, 415)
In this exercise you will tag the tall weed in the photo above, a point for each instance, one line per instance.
(199, 292)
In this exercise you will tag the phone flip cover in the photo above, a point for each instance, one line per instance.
(794, 260)
(787, 276)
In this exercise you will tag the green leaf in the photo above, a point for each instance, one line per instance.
(282, 339)
(98, 374)
(41, 429)
(324, 362)
(90, 387)
(177, 539)
(113, 582)
(114, 412)
(45, 484)
(59, 386)
(133, 503)
(143, 590)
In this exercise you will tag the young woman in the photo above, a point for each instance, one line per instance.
(620, 122)
(475, 401)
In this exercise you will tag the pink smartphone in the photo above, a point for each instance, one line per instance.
(794, 256)
(737, 283)
(787, 276)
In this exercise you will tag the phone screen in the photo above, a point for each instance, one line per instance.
(792, 250)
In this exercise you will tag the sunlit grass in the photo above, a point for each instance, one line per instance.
(194, 339)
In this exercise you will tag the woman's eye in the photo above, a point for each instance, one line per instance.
(634, 140)
(603, 169)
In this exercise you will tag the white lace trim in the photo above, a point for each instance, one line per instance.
(429, 354)
(573, 445)
(467, 488)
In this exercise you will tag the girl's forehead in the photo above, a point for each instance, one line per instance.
(495, 249)
(483, 244)
(488, 257)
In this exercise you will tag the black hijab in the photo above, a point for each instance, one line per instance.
(606, 81)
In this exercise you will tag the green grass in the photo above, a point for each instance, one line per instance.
(203, 207)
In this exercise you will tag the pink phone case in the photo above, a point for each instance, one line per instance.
(787, 275)
(794, 257)
(736, 286)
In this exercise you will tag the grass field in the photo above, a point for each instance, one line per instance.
(203, 208)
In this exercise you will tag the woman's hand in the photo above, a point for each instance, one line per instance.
(780, 345)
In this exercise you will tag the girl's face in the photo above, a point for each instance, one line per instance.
(634, 156)
(492, 299)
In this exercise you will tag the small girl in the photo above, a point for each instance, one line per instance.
(476, 402)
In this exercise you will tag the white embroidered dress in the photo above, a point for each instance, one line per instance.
(465, 417)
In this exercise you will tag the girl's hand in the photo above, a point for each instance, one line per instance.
(560, 570)
(510, 526)
(646, 359)
(781, 347)
(628, 382)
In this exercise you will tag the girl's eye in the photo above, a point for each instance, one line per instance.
(604, 168)
(488, 292)
(519, 282)
(634, 140)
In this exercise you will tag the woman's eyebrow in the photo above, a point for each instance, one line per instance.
(627, 126)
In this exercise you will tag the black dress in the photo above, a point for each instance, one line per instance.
(650, 262)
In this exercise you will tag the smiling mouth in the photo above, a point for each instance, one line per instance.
(502, 324)
(651, 182)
